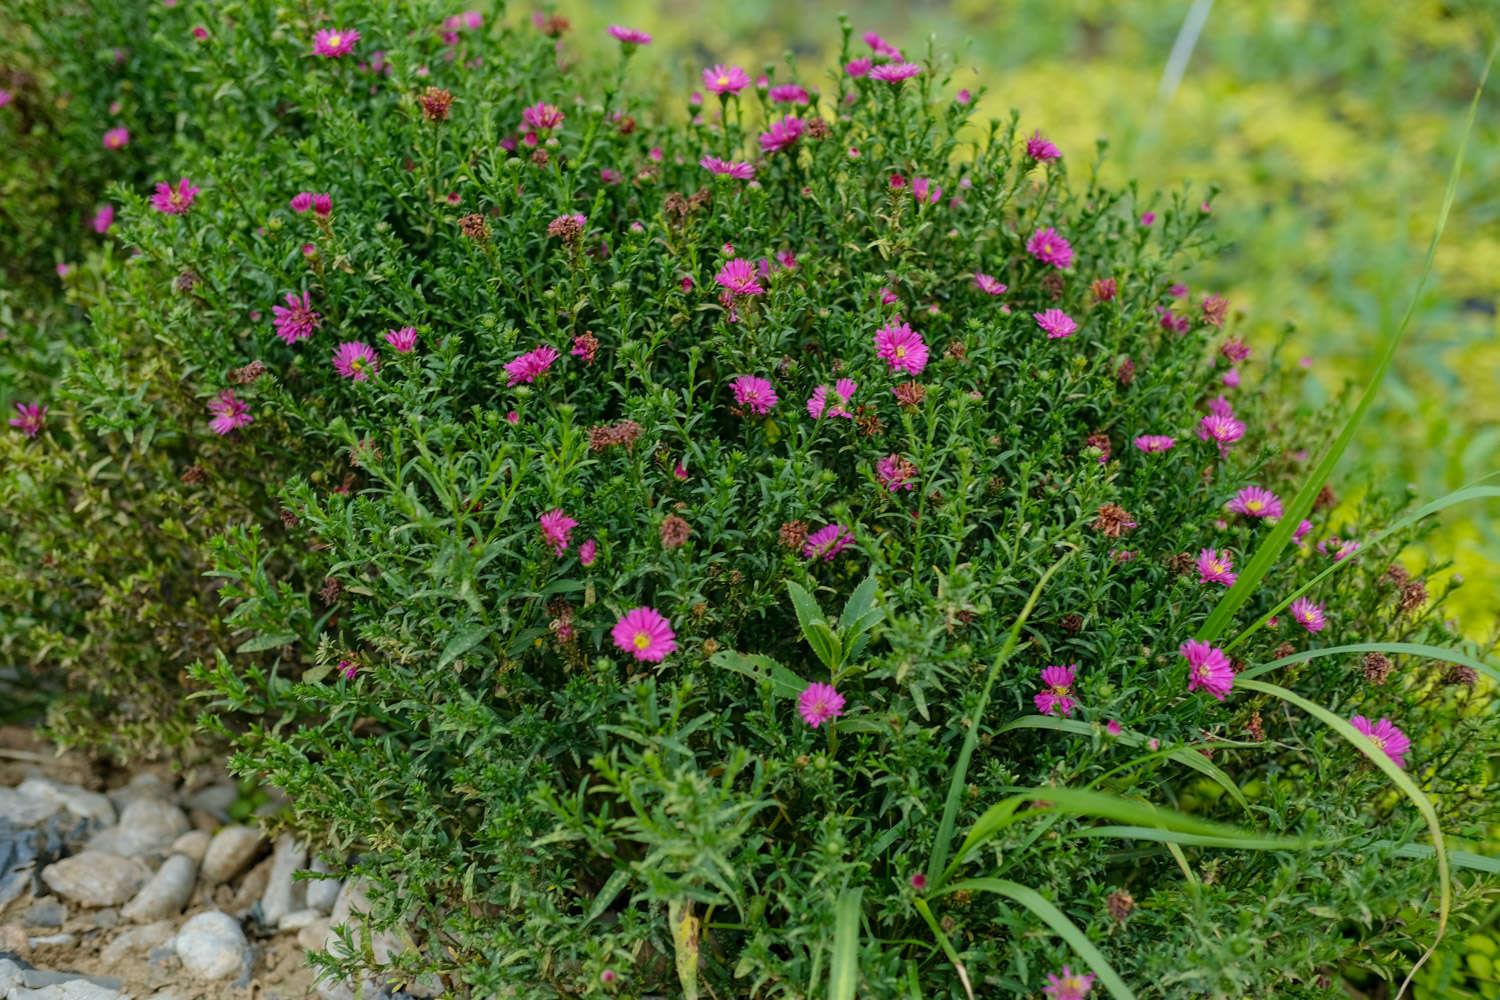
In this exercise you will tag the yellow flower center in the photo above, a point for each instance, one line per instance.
(1061, 690)
(642, 641)
(333, 40)
(1216, 567)
(900, 352)
(723, 80)
(1253, 505)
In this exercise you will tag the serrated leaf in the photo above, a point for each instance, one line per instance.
(462, 643)
(261, 643)
(784, 683)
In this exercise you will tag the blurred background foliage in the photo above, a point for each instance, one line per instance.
(1327, 125)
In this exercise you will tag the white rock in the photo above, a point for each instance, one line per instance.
(145, 785)
(283, 895)
(229, 853)
(10, 976)
(167, 892)
(314, 937)
(96, 878)
(147, 827)
(77, 989)
(193, 844)
(26, 808)
(214, 799)
(298, 919)
(322, 893)
(78, 801)
(212, 946)
(137, 941)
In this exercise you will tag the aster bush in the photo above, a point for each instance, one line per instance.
(796, 541)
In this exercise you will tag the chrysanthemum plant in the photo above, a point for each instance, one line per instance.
(780, 542)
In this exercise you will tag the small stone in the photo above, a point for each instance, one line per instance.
(212, 946)
(147, 827)
(78, 801)
(283, 895)
(314, 936)
(298, 919)
(53, 940)
(74, 989)
(229, 853)
(24, 809)
(41, 979)
(214, 799)
(322, 893)
(146, 785)
(252, 887)
(96, 878)
(106, 918)
(13, 939)
(193, 844)
(45, 913)
(166, 893)
(10, 976)
(137, 941)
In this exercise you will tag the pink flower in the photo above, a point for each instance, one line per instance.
(322, 205)
(1386, 736)
(629, 36)
(1057, 324)
(555, 527)
(104, 218)
(925, 191)
(1303, 528)
(1041, 149)
(1255, 501)
(174, 201)
(738, 169)
(230, 413)
(1147, 218)
(1057, 696)
(895, 72)
(402, 341)
(987, 284)
(859, 67)
(723, 79)
(1231, 378)
(1308, 614)
(541, 116)
(29, 418)
(200, 32)
(1235, 350)
(818, 703)
(782, 134)
(349, 669)
(1112, 727)
(1068, 986)
(5, 98)
(827, 542)
(881, 46)
(1155, 442)
(789, 93)
(901, 347)
(1216, 567)
(1220, 407)
(588, 552)
(1221, 429)
(737, 277)
(1049, 247)
(117, 138)
(754, 393)
(296, 320)
(525, 368)
(786, 259)
(301, 202)
(645, 634)
(334, 43)
(1208, 668)
(896, 473)
(356, 360)
(887, 296)
(818, 405)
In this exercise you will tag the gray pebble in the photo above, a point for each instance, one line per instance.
(96, 878)
(167, 892)
(212, 946)
(229, 853)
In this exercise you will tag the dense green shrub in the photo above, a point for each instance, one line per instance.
(428, 652)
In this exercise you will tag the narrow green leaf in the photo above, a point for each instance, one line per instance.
(945, 944)
(462, 643)
(1060, 924)
(1250, 843)
(1400, 648)
(261, 643)
(843, 974)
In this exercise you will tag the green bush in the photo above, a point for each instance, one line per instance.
(430, 557)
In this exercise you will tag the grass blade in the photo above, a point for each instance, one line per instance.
(843, 974)
(1407, 648)
(1060, 924)
(1400, 778)
(1268, 551)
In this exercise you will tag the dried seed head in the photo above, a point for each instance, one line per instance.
(1120, 903)
(1113, 521)
(674, 532)
(1377, 667)
(475, 227)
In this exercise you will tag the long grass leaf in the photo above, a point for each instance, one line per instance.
(843, 974)
(1250, 843)
(1401, 648)
(1269, 550)
(1060, 924)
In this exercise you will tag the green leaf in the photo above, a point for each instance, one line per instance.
(261, 643)
(860, 603)
(1400, 648)
(462, 643)
(784, 683)
(1060, 924)
(805, 605)
(843, 974)
(685, 945)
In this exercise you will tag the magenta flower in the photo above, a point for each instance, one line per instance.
(738, 277)
(819, 703)
(987, 284)
(29, 418)
(629, 36)
(882, 47)
(104, 218)
(1235, 350)
(782, 134)
(1220, 429)
(1049, 247)
(818, 404)
(924, 191)
(1068, 986)
(1056, 323)
(827, 542)
(527, 367)
(1304, 527)
(1208, 668)
(541, 116)
(117, 138)
(1041, 149)
(788, 93)
(754, 393)
(1216, 567)
(174, 201)
(230, 413)
(588, 552)
(723, 79)
(402, 341)
(296, 320)
(1155, 442)
(859, 67)
(901, 347)
(1386, 736)
(1255, 501)
(738, 169)
(1057, 696)
(322, 205)
(645, 634)
(555, 527)
(355, 359)
(335, 42)
(301, 202)
(895, 72)
(896, 473)
(1309, 614)
(1220, 407)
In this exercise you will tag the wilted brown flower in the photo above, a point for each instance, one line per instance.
(910, 393)
(1255, 727)
(330, 591)
(1215, 310)
(793, 534)
(249, 373)
(817, 128)
(1104, 289)
(1125, 372)
(622, 432)
(1119, 904)
(1377, 667)
(1413, 596)
(435, 102)
(1457, 673)
(288, 519)
(475, 227)
(194, 475)
(674, 532)
(1072, 622)
(1180, 563)
(1099, 440)
(1326, 498)
(957, 350)
(1113, 521)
